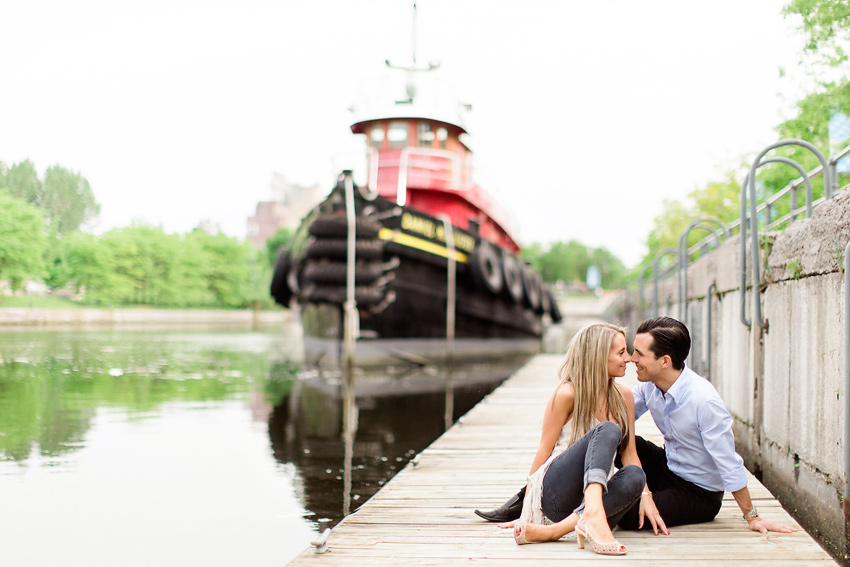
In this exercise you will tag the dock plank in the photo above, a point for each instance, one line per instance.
(423, 516)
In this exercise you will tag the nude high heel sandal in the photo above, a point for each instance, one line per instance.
(612, 548)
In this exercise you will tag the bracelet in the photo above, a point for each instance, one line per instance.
(645, 492)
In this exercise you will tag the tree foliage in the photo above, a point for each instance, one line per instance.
(282, 237)
(65, 196)
(22, 240)
(826, 25)
(717, 200)
(67, 200)
(569, 261)
(143, 265)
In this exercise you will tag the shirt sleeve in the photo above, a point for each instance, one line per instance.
(715, 425)
(640, 400)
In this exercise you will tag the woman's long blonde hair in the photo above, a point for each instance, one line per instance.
(586, 368)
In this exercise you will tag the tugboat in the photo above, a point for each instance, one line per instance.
(436, 272)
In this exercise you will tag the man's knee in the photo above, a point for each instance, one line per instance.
(634, 479)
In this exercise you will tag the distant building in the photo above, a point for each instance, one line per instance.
(291, 203)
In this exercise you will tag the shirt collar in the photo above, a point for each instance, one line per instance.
(680, 387)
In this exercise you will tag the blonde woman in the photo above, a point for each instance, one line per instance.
(573, 485)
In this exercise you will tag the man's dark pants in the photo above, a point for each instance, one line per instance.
(678, 501)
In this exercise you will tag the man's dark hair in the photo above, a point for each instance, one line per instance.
(669, 337)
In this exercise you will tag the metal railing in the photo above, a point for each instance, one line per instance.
(754, 237)
(750, 209)
(751, 212)
(684, 258)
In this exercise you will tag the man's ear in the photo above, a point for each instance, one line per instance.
(666, 361)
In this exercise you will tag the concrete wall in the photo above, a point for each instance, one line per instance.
(784, 385)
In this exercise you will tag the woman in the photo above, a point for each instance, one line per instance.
(573, 484)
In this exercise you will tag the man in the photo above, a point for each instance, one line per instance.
(686, 478)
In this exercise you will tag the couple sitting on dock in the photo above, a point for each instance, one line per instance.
(591, 473)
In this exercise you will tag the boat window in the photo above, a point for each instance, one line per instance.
(442, 136)
(397, 135)
(425, 134)
(376, 136)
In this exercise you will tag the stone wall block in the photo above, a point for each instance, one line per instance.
(815, 245)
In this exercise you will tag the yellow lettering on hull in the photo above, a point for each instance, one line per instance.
(430, 229)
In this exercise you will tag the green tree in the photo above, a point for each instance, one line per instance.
(282, 237)
(227, 266)
(22, 182)
(65, 196)
(22, 240)
(611, 268)
(67, 200)
(719, 199)
(257, 288)
(57, 272)
(92, 266)
(826, 25)
(569, 261)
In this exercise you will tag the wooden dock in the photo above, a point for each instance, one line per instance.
(424, 515)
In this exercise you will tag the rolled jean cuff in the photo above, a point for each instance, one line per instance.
(596, 475)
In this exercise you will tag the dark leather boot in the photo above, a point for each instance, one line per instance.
(508, 511)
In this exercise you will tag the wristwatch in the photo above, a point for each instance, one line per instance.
(754, 513)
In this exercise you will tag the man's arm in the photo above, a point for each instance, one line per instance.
(755, 522)
(716, 431)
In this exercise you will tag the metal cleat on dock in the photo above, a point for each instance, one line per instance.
(321, 542)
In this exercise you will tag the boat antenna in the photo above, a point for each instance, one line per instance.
(412, 69)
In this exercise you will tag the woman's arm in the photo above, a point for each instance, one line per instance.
(558, 412)
(629, 456)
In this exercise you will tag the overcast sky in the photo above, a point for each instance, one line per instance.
(586, 115)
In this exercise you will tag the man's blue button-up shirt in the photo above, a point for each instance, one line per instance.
(697, 429)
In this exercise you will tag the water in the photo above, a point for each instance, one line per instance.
(199, 447)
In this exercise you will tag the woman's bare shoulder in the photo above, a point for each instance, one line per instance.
(627, 394)
(564, 394)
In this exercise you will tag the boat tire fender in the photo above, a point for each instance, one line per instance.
(279, 288)
(337, 248)
(336, 272)
(337, 227)
(365, 296)
(532, 286)
(554, 311)
(513, 276)
(486, 267)
(545, 305)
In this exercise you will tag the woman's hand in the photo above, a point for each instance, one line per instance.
(649, 511)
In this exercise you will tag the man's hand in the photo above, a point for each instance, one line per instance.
(759, 524)
(649, 511)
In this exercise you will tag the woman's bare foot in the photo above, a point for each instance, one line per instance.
(538, 533)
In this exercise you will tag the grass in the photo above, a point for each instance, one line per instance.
(37, 302)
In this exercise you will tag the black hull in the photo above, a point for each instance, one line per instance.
(403, 312)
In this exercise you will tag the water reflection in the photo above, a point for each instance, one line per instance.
(189, 439)
(396, 415)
